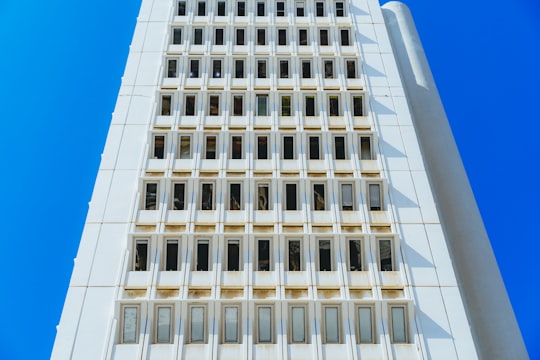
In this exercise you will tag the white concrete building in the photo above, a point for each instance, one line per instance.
(264, 194)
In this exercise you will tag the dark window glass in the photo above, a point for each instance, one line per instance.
(179, 197)
(263, 263)
(325, 256)
(219, 37)
(150, 198)
(166, 101)
(198, 36)
(314, 149)
(355, 255)
(235, 201)
(323, 37)
(210, 151)
(177, 36)
(319, 8)
(233, 255)
(306, 69)
(238, 105)
(141, 256)
(339, 147)
(201, 8)
(328, 69)
(261, 37)
(221, 8)
(181, 8)
(334, 106)
(302, 34)
(345, 37)
(239, 69)
(318, 197)
(262, 147)
(194, 69)
(385, 255)
(283, 69)
(358, 106)
(159, 147)
(202, 256)
(280, 8)
(240, 39)
(310, 105)
(236, 147)
(340, 9)
(288, 147)
(261, 69)
(290, 197)
(351, 69)
(213, 107)
(207, 198)
(300, 9)
(241, 8)
(171, 260)
(375, 203)
(185, 147)
(262, 197)
(260, 9)
(216, 69)
(285, 106)
(171, 68)
(190, 105)
(294, 255)
(365, 148)
(282, 37)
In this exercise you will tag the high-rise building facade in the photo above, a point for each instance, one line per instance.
(264, 193)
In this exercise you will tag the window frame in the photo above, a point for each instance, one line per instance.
(240, 9)
(270, 323)
(196, 40)
(233, 155)
(266, 185)
(181, 8)
(258, 147)
(284, 69)
(196, 266)
(214, 109)
(238, 308)
(319, 153)
(315, 199)
(166, 110)
(300, 7)
(194, 71)
(177, 35)
(136, 243)
(371, 147)
(157, 323)
(122, 335)
(391, 320)
(360, 267)
(324, 41)
(323, 13)
(324, 329)
(190, 324)
(243, 68)
(279, 32)
(186, 102)
(296, 196)
(353, 105)
(146, 196)
(228, 242)
(310, 64)
(355, 69)
(266, 107)
(234, 97)
(180, 153)
(259, 265)
(301, 40)
(345, 40)
(330, 97)
(371, 201)
(319, 253)
(172, 71)
(166, 266)
(261, 74)
(221, 5)
(341, 197)
(326, 73)
(281, 12)
(345, 148)
(283, 107)
(201, 8)
(258, 8)
(216, 37)
(291, 325)
(230, 199)
(284, 154)
(340, 10)
(382, 267)
(155, 146)
(213, 191)
(173, 197)
(358, 329)
(217, 68)
(290, 264)
(240, 34)
(261, 41)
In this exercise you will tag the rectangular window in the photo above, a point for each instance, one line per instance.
(164, 325)
(201, 8)
(207, 197)
(171, 255)
(141, 255)
(286, 105)
(331, 325)
(159, 147)
(283, 69)
(375, 197)
(261, 36)
(263, 255)
(197, 328)
(385, 255)
(282, 36)
(340, 9)
(314, 148)
(233, 255)
(351, 69)
(344, 33)
(365, 325)
(328, 69)
(262, 105)
(194, 69)
(150, 196)
(213, 106)
(166, 102)
(297, 329)
(172, 66)
(300, 8)
(263, 196)
(264, 324)
(306, 69)
(236, 147)
(365, 148)
(231, 325)
(318, 197)
(288, 147)
(398, 324)
(280, 8)
(290, 197)
(319, 8)
(130, 320)
(202, 255)
(238, 105)
(198, 36)
(218, 40)
(185, 147)
(261, 69)
(302, 37)
(241, 8)
(355, 255)
(181, 8)
(333, 105)
(295, 256)
(347, 198)
(310, 105)
(239, 69)
(262, 147)
(190, 105)
(216, 69)
(323, 37)
(221, 8)
(260, 8)
(235, 200)
(177, 36)
(358, 105)
(179, 195)
(240, 37)
(325, 255)
(211, 147)
(339, 147)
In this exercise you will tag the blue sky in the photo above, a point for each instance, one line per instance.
(61, 64)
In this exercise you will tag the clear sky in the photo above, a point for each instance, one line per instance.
(61, 64)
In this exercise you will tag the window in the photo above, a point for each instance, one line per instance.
(355, 255)
(213, 105)
(179, 195)
(159, 147)
(288, 147)
(233, 255)
(385, 255)
(197, 328)
(261, 36)
(283, 69)
(238, 105)
(366, 152)
(264, 324)
(231, 325)
(172, 66)
(365, 324)
(290, 197)
(163, 325)
(185, 147)
(130, 320)
(166, 102)
(262, 147)
(333, 105)
(331, 324)
(177, 36)
(347, 197)
(310, 105)
(318, 197)
(221, 8)
(358, 105)
(218, 38)
(261, 69)
(141, 255)
(300, 8)
(202, 255)
(263, 255)
(374, 197)
(297, 330)
(181, 8)
(238, 69)
(351, 69)
(201, 8)
(236, 147)
(235, 197)
(295, 256)
(339, 147)
(207, 197)
(325, 255)
(211, 147)
(260, 8)
(216, 69)
(302, 37)
(194, 68)
(344, 33)
(398, 320)
(323, 37)
(190, 105)
(171, 255)
(306, 69)
(280, 8)
(263, 197)
(262, 105)
(340, 9)
(286, 105)
(314, 148)
(241, 8)
(282, 36)
(240, 37)
(198, 36)
(328, 69)
(319, 8)
(150, 196)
